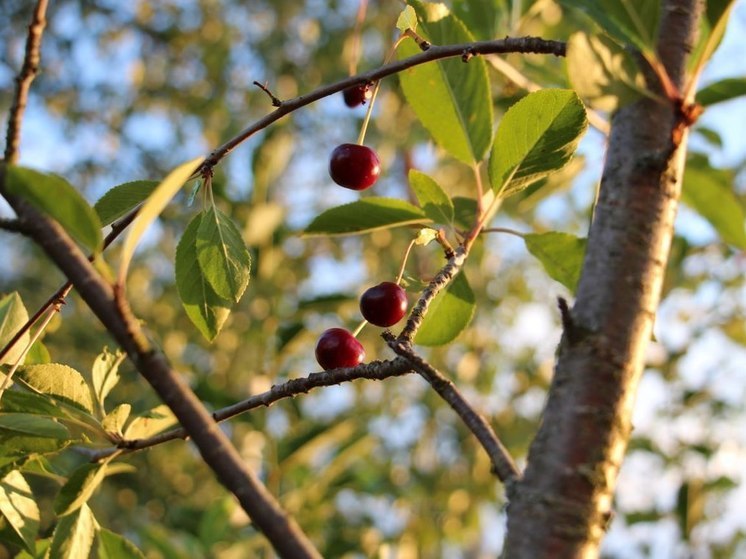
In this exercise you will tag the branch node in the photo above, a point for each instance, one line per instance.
(276, 102)
(467, 55)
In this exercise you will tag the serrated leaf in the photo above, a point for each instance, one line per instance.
(628, 21)
(222, 255)
(59, 381)
(27, 424)
(13, 315)
(561, 254)
(450, 98)
(407, 19)
(18, 508)
(602, 72)
(151, 423)
(205, 308)
(710, 193)
(432, 198)
(73, 536)
(105, 374)
(449, 314)
(723, 90)
(537, 136)
(116, 418)
(367, 214)
(79, 488)
(122, 199)
(114, 546)
(152, 208)
(57, 198)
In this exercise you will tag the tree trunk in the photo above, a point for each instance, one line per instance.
(561, 507)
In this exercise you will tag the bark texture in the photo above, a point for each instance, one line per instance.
(563, 503)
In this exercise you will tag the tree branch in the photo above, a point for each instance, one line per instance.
(502, 463)
(526, 45)
(23, 81)
(563, 503)
(375, 370)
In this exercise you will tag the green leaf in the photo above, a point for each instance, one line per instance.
(13, 315)
(114, 546)
(537, 136)
(122, 199)
(18, 508)
(114, 421)
(105, 374)
(55, 197)
(450, 312)
(561, 254)
(32, 425)
(79, 488)
(711, 32)
(39, 550)
(628, 21)
(205, 308)
(602, 72)
(432, 198)
(38, 354)
(59, 381)
(465, 211)
(152, 208)
(151, 423)
(723, 90)
(73, 536)
(407, 19)
(367, 214)
(450, 98)
(710, 193)
(222, 255)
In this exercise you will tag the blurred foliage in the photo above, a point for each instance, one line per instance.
(129, 89)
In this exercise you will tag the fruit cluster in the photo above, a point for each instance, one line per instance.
(383, 305)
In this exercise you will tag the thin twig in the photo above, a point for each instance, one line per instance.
(501, 46)
(375, 370)
(276, 101)
(12, 225)
(23, 81)
(502, 463)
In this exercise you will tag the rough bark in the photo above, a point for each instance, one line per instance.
(563, 503)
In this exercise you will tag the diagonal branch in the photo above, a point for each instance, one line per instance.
(23, 81)
(502, 463)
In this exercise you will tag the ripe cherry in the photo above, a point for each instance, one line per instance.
(338, 348)
(357, 95)
(384, 304)
(354, 166)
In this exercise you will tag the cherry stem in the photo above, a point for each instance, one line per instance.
(503, 230)
(404, 261)
(369, 112)
(359, 328)
(355, 48)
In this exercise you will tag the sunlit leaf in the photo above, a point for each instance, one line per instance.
(205, 308)
(450, 98)
(114, 546)
(79, 488)
(116, 418)
(222, 255)
(59, 381)
(710, 193)
(537, 136)
(723, 90)
(151, 423)
(122, 199)
(73, 535)
(432, 198)
(13, 315)
(105, 374)
(54, 196)
(19, 510)
(602, 72)
(561, 254)
(152, 208)
(407, 19)
(450, 312)
(367, 214)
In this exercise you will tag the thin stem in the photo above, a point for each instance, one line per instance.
(502, 463)
(359, 328)
(404, 261)
(23, 81)
(355, 48)
(480, 188)
(521, 45)
(503, 230)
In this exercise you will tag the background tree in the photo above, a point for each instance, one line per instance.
(364, 467)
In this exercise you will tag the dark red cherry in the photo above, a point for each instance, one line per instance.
(357, 95)
(354, 166)
(338, 348)
(384, 304)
